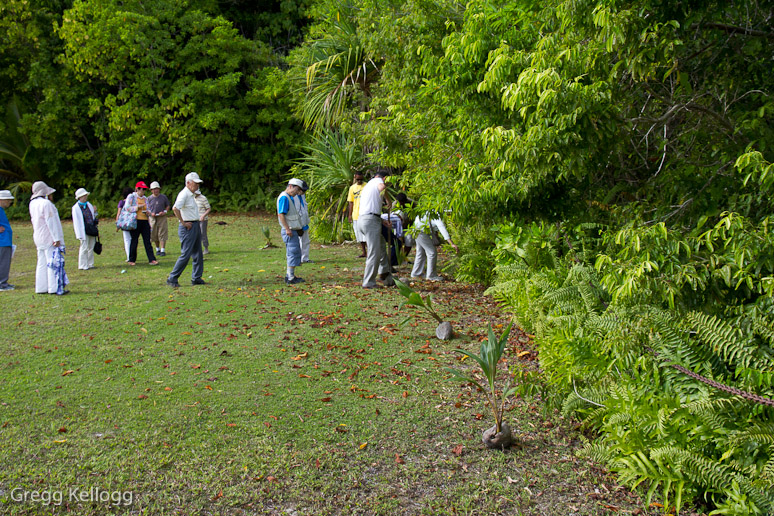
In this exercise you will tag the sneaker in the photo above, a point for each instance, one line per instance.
(161, 253)
(206, 251)
(435, 278)
(308, 261)
(6, 288)
(172, 283)
(294, 280)
(64, 293)
(198, 281)
(389, 281)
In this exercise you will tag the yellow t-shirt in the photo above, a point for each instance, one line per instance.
(354, 197)
(141, 213)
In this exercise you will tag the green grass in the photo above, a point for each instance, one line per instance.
(247, 396)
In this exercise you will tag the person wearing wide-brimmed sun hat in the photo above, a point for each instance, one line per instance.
(138, 203)
(49, 239)
(6, 241)
(85, 227)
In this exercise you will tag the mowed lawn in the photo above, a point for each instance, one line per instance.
(247, 396)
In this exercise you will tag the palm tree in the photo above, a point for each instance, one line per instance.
(336, 66)
(17, 156)
(329, 162)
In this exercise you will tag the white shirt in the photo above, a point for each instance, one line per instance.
(421, 224)
(46, 226)
(78, 224)
(370, 198)
(186, 203)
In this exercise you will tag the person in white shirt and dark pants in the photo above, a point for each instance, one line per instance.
(187, 212)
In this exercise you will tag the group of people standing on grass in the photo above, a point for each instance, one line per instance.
(379, 234)
(138, 216)
(144, 216)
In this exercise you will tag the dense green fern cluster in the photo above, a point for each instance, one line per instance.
(610, 330)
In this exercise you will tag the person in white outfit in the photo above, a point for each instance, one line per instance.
(303, 212)
(85, 227)
(47, 234)
(426, 247)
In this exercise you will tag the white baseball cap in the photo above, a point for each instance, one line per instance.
(155, 184)
(80, 192)
(5, 194)
(193, 176)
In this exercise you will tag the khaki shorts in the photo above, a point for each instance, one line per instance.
(159, 231)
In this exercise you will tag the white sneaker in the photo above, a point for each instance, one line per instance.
(435, 278)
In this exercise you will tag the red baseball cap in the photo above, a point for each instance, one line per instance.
(141, 184)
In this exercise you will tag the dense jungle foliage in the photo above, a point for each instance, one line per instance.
(606, 163)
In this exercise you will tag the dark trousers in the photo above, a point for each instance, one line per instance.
(5, 264)
(143, 228)
(392, 241)
(190, 248)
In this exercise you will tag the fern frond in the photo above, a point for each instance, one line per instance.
(597, 452)
(726, 341)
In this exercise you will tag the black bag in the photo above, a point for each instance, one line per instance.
(91, 229)
(98, 246)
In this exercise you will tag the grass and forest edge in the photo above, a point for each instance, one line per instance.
(605, 166)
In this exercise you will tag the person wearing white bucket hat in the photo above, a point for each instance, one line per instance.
(49, 239)
(158, 207)
(6, 242)
(85, 227)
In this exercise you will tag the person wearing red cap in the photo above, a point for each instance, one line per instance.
(137, 202)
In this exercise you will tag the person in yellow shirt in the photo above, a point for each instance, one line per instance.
(137, 202)
(353, 210)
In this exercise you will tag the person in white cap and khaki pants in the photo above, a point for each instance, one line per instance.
(6, 242)
(85, 227)
(158, 207)
(47, 234)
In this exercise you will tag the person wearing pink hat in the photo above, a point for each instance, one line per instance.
(138, 203)
(49, 239)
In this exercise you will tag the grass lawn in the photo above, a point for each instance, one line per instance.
(247, 396)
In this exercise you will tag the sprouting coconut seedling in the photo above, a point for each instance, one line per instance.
(267, 236)
(499, 436)
(415, 299)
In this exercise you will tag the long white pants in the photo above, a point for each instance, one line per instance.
(86, 253)
(45, 277)
(127, 242)
(425, 249)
